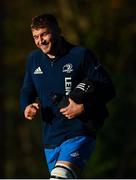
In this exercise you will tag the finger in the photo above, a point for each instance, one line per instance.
(28, 117)
(69, 117)
(35, 105)
(67, 112)
(63, 110)
(30, 113)
(71, 101)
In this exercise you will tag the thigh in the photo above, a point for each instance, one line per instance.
(51, 157)
(77, 150)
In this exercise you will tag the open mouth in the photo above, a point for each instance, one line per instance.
(45, 43)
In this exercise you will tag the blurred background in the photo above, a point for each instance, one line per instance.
(108, 28)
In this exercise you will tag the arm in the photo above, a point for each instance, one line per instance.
(97, 84)
(90, 96)
(28, 96)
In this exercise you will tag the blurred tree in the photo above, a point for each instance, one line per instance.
(2, 92)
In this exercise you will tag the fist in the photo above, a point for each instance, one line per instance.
(31, 111)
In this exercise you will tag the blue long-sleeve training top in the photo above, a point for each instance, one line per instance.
(46, 78)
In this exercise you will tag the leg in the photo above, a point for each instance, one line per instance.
(72, 157)
(51, 157)
(64, 170)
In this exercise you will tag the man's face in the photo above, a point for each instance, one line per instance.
(44, 39)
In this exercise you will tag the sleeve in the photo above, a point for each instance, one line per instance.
(94, 91)
(28, 92)
(97, 84)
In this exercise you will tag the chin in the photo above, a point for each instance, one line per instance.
(45, 51)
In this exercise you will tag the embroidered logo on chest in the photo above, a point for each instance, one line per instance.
(68, 68)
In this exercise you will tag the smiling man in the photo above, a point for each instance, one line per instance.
(73, 89)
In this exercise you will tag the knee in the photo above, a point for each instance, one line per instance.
(62, 172)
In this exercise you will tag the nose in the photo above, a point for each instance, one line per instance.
(41, 39)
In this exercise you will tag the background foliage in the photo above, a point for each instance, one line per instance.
(107, 27)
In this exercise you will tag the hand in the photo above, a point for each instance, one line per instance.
(72, 110)
(31, 111)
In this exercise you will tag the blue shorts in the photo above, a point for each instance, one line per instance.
(76, 150)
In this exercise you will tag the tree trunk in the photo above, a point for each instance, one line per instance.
(2, 106)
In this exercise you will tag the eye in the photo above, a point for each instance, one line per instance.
(45, 33)
(35, 37)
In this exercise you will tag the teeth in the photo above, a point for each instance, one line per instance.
(45, 43)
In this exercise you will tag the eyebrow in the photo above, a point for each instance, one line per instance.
(41, 33)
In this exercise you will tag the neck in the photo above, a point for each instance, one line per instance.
(51, 56)
(58, 47)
